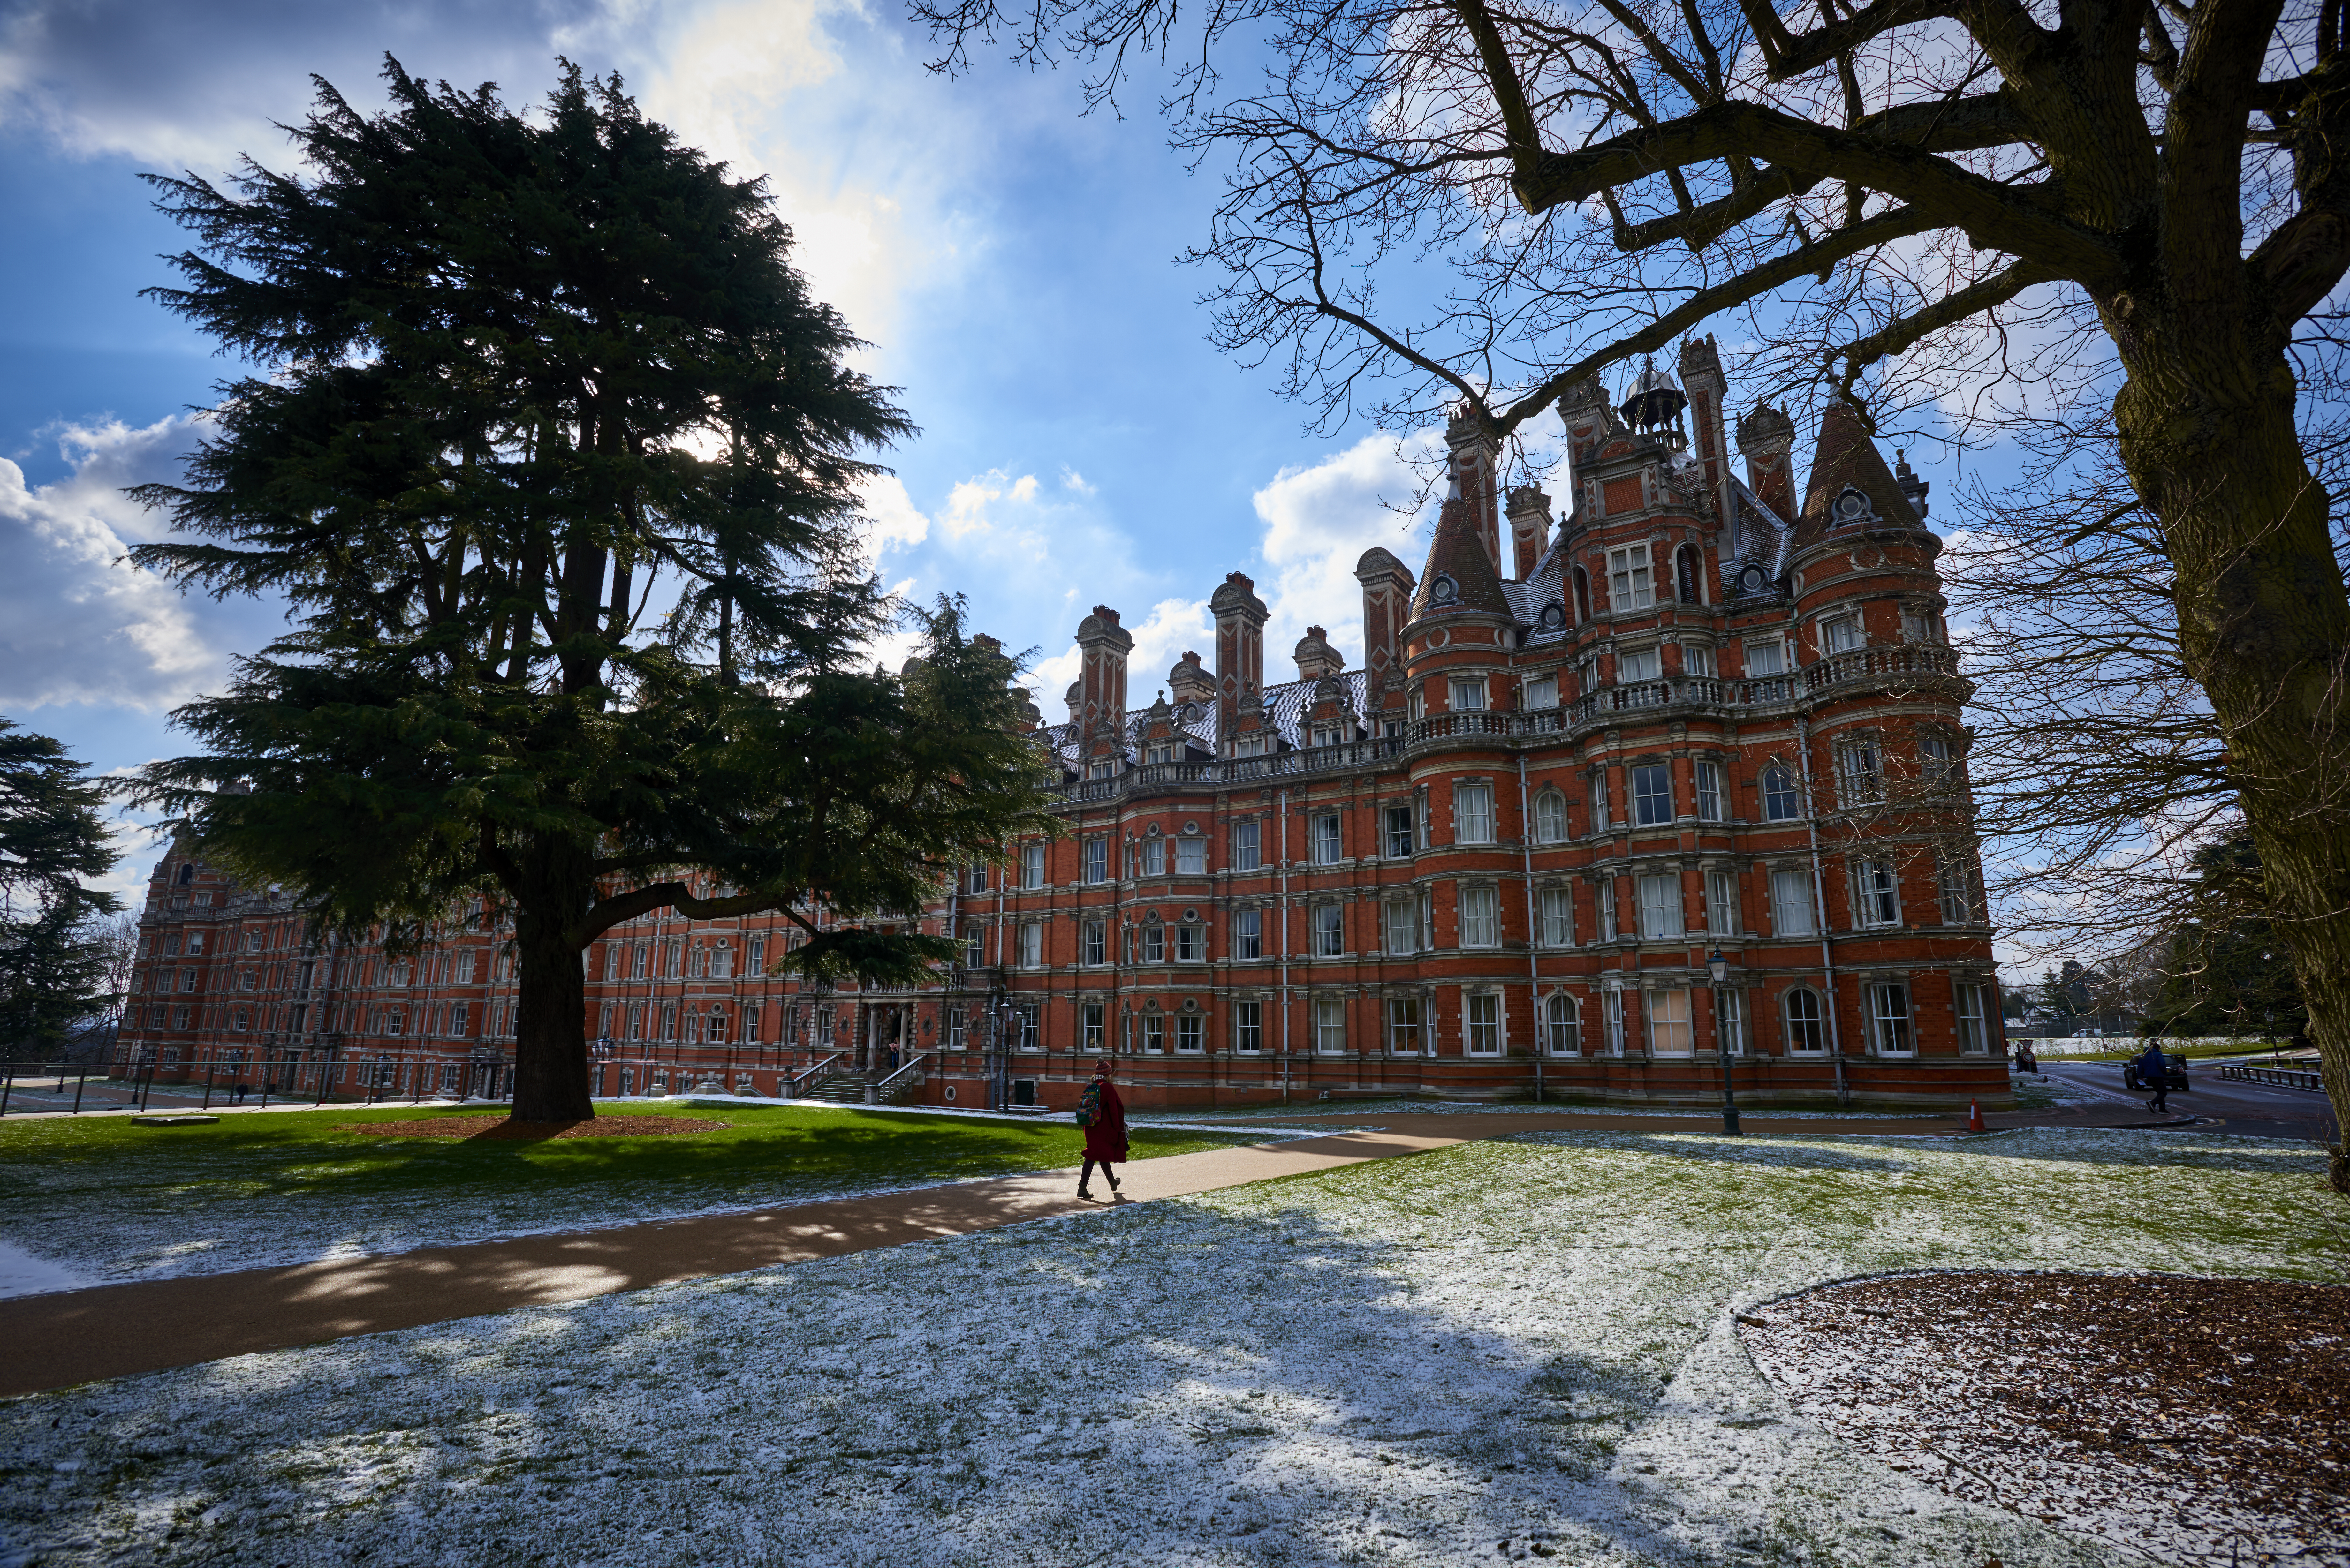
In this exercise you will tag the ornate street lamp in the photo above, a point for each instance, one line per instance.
(1718, 968)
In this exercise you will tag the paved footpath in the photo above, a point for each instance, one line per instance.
(114, 1331)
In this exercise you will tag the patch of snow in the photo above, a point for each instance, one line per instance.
(23, 1274)
(1507, 1350)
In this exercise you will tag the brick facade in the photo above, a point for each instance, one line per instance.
(1489, 860)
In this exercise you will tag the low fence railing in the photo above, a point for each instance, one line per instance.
(905, 1077)
(2284, 1075)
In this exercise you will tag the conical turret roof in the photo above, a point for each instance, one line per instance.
(1847, 459)
(1459, 575)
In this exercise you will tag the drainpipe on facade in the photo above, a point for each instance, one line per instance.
(1820, 903)
(1533, 932)
(1283, 797)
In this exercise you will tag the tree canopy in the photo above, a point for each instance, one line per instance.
(521, 374)
(54, 972)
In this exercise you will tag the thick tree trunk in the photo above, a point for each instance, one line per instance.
(2207, 431)
(551, 1023)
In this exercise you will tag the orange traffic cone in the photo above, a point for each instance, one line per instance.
(1974, 1117)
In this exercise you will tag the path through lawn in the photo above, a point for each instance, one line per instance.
(107, 1200)
(1504, 1350)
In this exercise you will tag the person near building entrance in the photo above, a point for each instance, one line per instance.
(1103, 1115)
(2154, 1073)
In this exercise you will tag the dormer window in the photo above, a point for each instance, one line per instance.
(1159, 751)
(1249, 746)
(1329, 735)
(1102, 770)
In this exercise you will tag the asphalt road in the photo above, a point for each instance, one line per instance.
(2263, 1110)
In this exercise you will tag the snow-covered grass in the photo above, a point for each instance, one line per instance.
(1523, 1346)
(108, 1201)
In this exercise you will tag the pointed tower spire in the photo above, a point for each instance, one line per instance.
(1850, 486)
(1459, 575)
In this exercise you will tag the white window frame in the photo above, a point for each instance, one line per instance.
(1032, 944)
(1400, 927)
(1154, 857)
(1191, 856)
(1550, 817)
(1969, 1019)
(1843, 634)
(1248, 1026)
(1408, 835)
(1664, 915)
(1248, 934)
(1098, 859)
(1190, 1034)
(1032, 866)
(1875, 895)
(1480, 1024)
(1631, 579)
(1611, 1011)
(1562, 1025)
(1892, 1019)
(1670, 1036)
(1639, 665)
(1190, 942)
(1542, 691)
(1248, 845)
(1329, 1016)
(1708, 791)
(1651, 808)
(1790, 797)
(1696, 659)
(1329, 929)
(1094, 943)
(1466, 694)
(1730, 1018)
(1473, 814)
(1401, 1016)
(1328, 842)
(1557, 904)
(1481, 916)
(1860, 772)
(1721, 902)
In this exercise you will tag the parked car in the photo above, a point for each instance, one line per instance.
(2174, 1075)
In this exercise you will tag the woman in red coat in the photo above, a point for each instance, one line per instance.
(1104, 1116)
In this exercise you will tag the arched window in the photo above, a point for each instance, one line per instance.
(1581, 594)
(1803, 1028)
(187, 873)
(1550, 817)
(1781, 802)
(1686, 569)
(1562, 1025)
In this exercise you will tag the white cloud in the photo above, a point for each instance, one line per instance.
(78, 623)
(1319, 519)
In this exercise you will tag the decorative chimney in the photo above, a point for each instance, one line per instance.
(1766, 438)
(1701, 378)
(1190, 682)
(1316, 657)
(1386, 605)
(1102, 644)
(1529, 528)
(1240, 651)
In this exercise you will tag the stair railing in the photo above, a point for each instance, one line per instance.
(904, 1075)
(810, 1079)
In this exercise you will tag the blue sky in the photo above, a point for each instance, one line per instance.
(1012, 260)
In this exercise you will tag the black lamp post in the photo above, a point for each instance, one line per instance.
(1718, 968)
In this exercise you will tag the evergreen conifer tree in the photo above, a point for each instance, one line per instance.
(518, 373)
(53, 967)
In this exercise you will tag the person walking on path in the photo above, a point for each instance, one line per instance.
(2154, 1073)
(1103, 1115)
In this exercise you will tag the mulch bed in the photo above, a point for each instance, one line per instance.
(507, 1129)
(2199, 1420)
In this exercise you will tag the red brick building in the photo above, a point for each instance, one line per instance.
(1490, 859)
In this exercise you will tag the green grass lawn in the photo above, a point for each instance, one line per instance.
(114, 1200)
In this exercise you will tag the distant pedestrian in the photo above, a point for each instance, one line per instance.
(2030, 1057)
(2154, 1072)
(240, 1091)
(1103, 1115)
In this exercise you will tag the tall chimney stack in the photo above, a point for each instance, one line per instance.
(1240, 651)
(1102, 644)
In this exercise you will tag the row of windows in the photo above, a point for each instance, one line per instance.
(1860, 773)
(1660, 900)
(1661, 1022)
